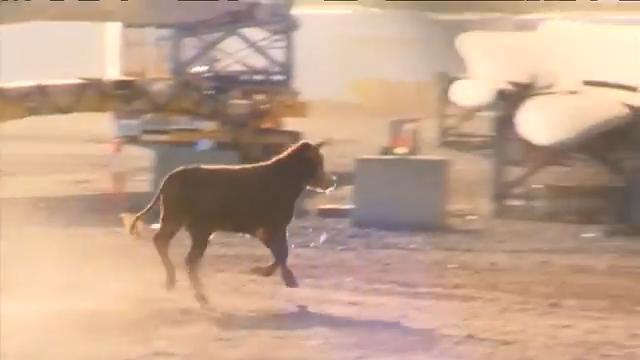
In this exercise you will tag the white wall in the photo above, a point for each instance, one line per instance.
(49, 50)
(332, 50)
(41, 51)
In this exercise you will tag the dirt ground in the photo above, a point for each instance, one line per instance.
(493, 289)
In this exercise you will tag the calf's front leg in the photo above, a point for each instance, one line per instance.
(277, 243)
(280, 250)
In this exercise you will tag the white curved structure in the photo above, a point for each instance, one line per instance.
(562, 54)
(567, 118)
(498, 57)
(472, 93)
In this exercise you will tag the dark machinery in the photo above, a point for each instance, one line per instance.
(242, 60)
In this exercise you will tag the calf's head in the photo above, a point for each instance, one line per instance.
(309, 164)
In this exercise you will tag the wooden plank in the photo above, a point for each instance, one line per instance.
(121, 95)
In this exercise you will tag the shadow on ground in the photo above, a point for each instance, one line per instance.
(375, 335)
(303, 318)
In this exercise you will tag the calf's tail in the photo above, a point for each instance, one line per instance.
(133, 230)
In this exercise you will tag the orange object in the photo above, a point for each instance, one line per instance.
(116, 146)
(403, 136)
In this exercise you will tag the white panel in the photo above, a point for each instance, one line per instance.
(113, 50)
(49, 50)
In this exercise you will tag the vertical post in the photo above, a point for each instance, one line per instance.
(442, 100)
(177, 67)
(118, 177)
(289, 57)
(288, 47)
(500, 162)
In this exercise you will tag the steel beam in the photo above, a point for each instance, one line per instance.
(265, 54)
(204, 50)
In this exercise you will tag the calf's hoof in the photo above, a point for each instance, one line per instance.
(263, 270)
(289, 279)
(201, 299)
(170, 284)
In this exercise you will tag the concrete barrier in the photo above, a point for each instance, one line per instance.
(400, 192)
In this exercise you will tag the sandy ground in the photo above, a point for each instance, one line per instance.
(491, 290)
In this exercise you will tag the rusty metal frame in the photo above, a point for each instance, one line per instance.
(533, 160)
(451, 131)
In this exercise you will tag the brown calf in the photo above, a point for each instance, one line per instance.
(256, 199)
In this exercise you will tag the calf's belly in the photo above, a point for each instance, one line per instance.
(230, 220)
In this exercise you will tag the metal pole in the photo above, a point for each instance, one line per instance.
(177, 68)
(500, 162)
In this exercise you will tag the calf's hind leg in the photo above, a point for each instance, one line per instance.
(161, 240)
(267, 270)
(199, 242)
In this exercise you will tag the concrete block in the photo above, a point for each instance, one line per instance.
(400, 192)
